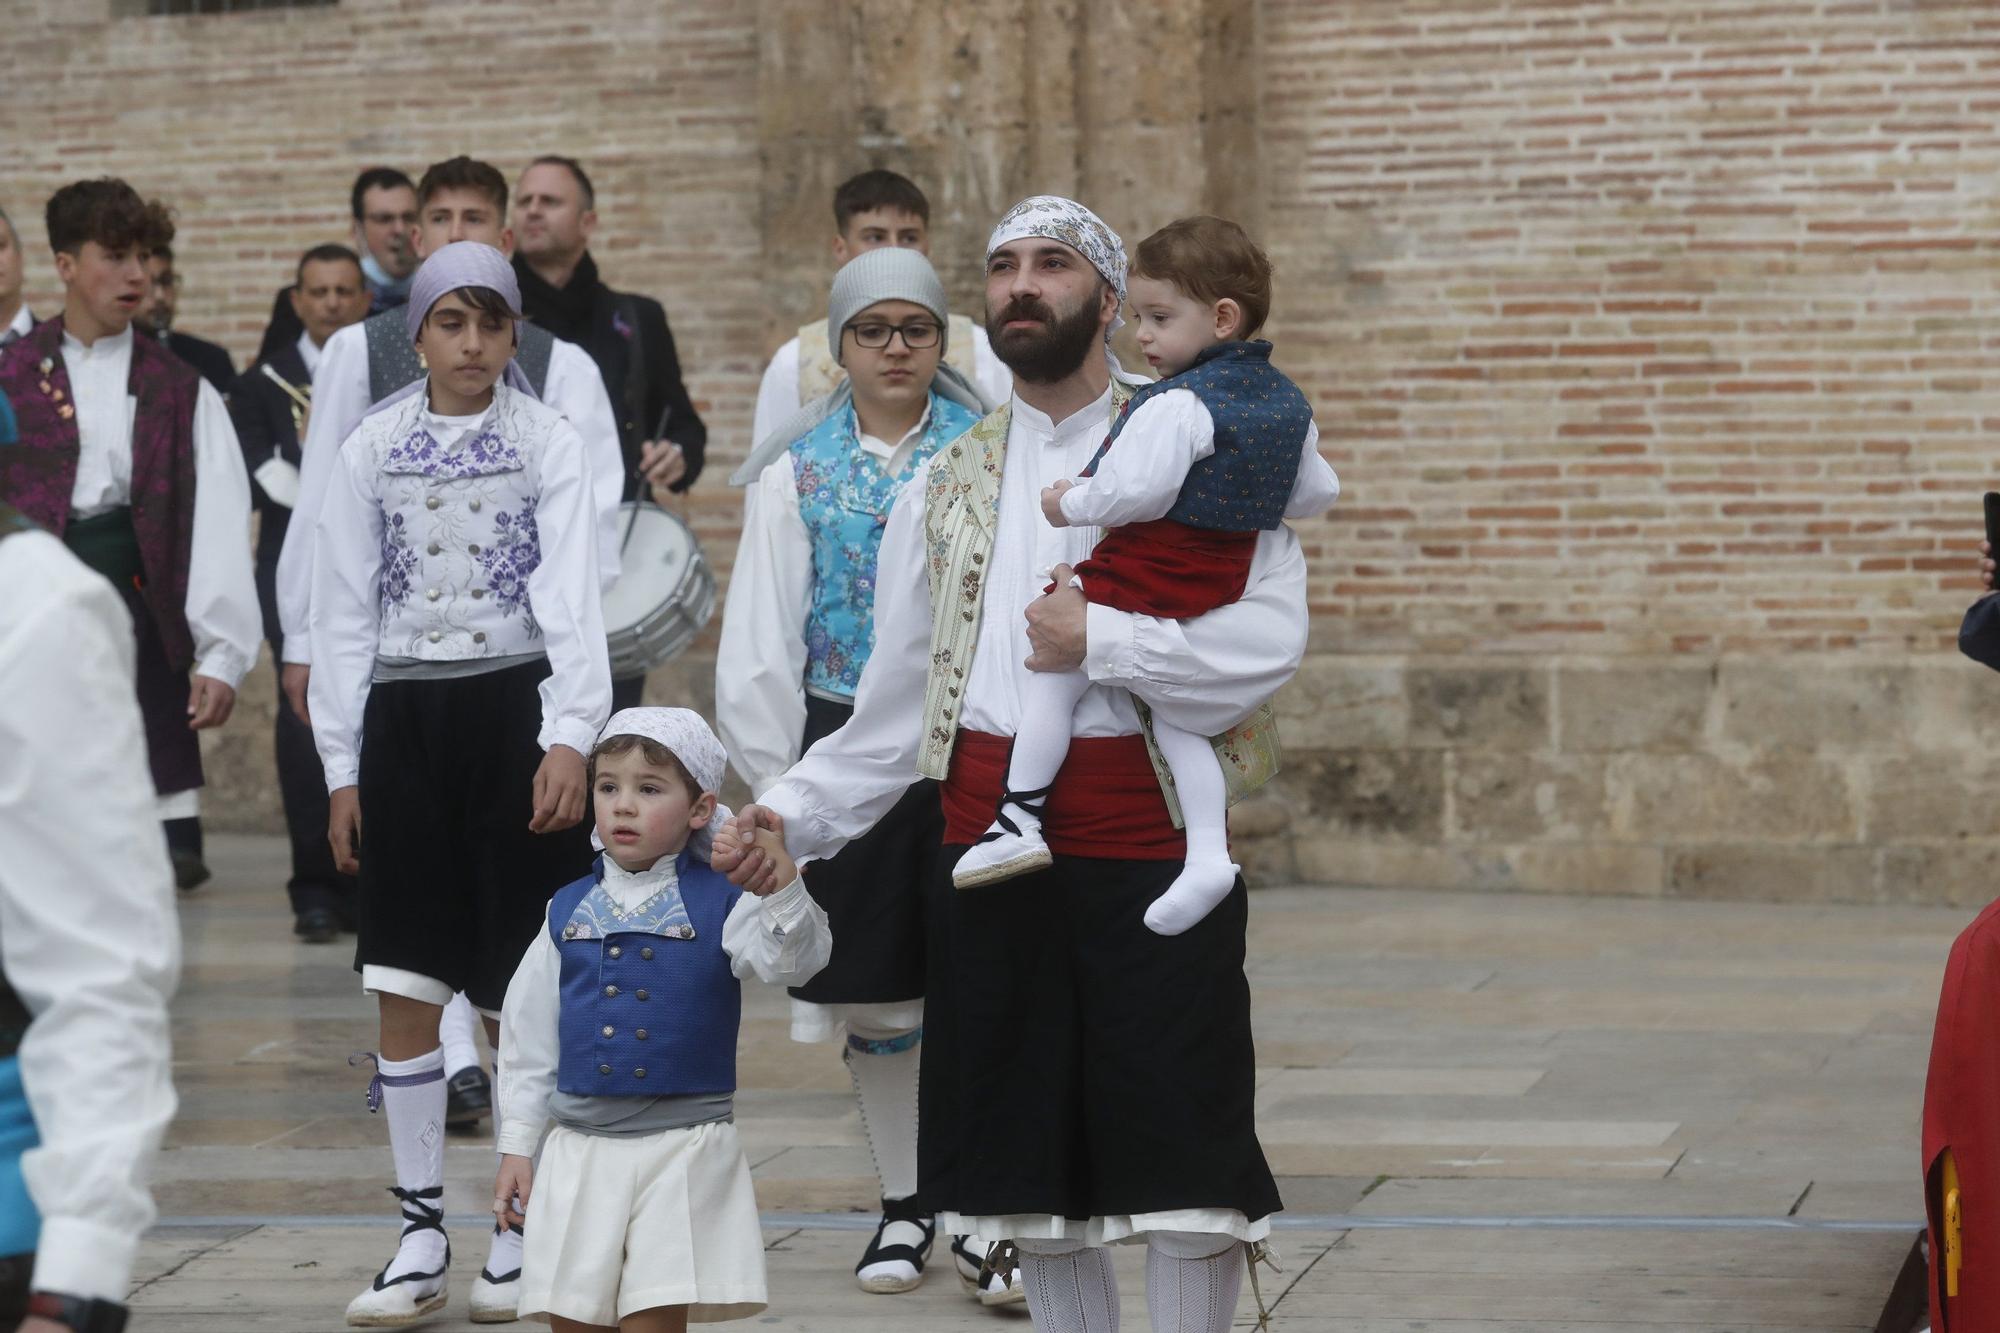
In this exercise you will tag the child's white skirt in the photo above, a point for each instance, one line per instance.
(617, 1225)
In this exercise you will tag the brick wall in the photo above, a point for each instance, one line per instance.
(1647, 339)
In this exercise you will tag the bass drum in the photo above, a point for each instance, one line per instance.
(664, 595)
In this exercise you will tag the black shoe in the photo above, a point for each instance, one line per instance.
(901, 1266)
(316, 925)
(468, 1096)
(190, 871)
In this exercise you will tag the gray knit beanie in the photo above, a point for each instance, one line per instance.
(887, 273)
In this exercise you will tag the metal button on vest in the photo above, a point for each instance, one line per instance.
(473, 504)
(472, 549)
(479, 636)
(435, 637)
(431, 593)
(604, 1069)
(608, 1031)
(433, 548)
(610, 991)
(431, 503)
(640, 1034)
(614, 951)
(640, 1072)
(646, 954)
(478, 593)
(640, 995)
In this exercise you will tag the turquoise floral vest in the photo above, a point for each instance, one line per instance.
(845, 496)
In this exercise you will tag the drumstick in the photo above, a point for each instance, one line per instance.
(640, 475)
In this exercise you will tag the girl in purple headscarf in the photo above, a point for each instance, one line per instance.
(459, 678)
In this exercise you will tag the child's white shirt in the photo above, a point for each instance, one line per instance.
(783, 939)
(1140, 477)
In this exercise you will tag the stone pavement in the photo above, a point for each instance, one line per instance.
(1489, 1113)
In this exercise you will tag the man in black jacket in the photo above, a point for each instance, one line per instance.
(384, 203)
(156, 312)
(626, 335)
(269, 409)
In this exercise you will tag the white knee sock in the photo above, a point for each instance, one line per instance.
(503, 1257)
(883, 1064)
(1208, 875)
(1192, 1281)
(1071, 1287)
(455, 1030)
(415, 1110)
(1048, 702)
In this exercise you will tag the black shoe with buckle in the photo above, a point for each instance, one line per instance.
(316, 925)
(468, 1097)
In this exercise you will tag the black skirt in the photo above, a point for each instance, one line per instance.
(453, 885)
(873, 892)
(1076, 1064)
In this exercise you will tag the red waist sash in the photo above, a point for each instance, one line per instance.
(1106, 801)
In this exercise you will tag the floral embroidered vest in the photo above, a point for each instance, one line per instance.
(845, 496)
(961, 520)
(38, 474)
(820, 374)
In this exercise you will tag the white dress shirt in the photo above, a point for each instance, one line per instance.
(574, 388)
(309, 353)
(222, 608)
(760, 663)
(782, 939)
(778, 391)
(19, 326)
(1142, 474)
(1203, 675)
(415, 561)
(89, 934)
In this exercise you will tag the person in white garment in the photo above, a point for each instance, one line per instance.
(1085, 1081)
(796, 633)
(459, 199)
(131, 458)
(15, 317)
(86, 972)
(870, 211)
(621, 1027)
(459, 679)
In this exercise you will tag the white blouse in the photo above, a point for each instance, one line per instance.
(450, 540)
(222, 607)
(782, 939)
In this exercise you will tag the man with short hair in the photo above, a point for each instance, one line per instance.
(660, 433)
(461, 199)
(15, 319)
(157, 314)
(384, 204)
(875, 208)
(270, 407)
(128, 455)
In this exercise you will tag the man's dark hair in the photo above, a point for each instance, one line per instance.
(325, 254)
(574, 168)
(377, 178)
(162, 251)
(878, 189)
(107, 211)
(463, 173)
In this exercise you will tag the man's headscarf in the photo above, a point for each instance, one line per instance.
(1054, 218)
(459, 265)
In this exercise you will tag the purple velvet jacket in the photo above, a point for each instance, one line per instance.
(38, 474)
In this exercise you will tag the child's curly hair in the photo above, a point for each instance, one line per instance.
(658, 755)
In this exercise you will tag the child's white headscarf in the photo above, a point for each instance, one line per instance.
(689, 739)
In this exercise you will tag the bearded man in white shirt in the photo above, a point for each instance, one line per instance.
(1084, 1081)
(130, 457)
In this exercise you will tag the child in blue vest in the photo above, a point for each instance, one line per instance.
(1221, 449)
(620, 1025)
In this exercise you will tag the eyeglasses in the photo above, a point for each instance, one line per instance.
(918, 333)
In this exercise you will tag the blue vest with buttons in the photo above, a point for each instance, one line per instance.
(1260, 419)
(649, 1005)
(844, 498)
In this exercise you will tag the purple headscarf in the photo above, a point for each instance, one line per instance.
(458, 265)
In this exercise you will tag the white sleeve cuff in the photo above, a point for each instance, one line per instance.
(577, 735)
(345, 773)
(785, 909)
(298, 648)
(77, 1257)
(1109, 651)
(225, 664)
(517, 1138)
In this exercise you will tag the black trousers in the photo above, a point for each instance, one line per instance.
(15, 1272)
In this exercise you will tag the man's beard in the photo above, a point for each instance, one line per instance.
(1050, 353)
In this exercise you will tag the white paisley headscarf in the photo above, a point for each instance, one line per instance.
(1054, 218)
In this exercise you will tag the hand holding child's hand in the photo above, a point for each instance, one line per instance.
(511, 1189)
(1052, 503)
(738, 855)
(560, 798)
(783, 869)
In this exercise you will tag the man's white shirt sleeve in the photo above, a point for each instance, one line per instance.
(575, 388)
(222, 609)
(340, 400)
(777, 393)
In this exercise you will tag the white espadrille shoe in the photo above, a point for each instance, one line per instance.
(407, 1298)
(496, 1297)
(1009, 848)
(894, 1260)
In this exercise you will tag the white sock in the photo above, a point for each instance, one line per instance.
(1048, 702)
(883, 1064)
(1192, 1281)
(415, 1111)
(503, 1258)
(1071, 1287)
(1207, 876)
(455, 1030)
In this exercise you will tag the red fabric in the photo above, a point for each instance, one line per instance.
(1106, 801)
(1167, 569)
(1962, 1112)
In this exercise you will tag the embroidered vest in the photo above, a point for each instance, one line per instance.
(392, 357)
(38, 475)
(1260, 419)
(961, 520)
(649, 1005)
(845, 497)
(820, 374)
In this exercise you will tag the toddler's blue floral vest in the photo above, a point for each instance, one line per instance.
(845, 497)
